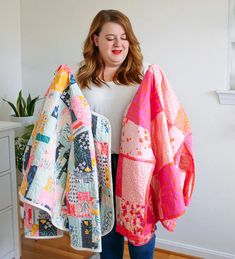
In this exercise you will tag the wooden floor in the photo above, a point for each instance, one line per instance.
(60, 249)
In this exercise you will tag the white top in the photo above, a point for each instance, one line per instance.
(111, 101)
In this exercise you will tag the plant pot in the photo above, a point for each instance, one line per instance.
(24, 121)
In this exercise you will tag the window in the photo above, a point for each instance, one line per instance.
(227, 96)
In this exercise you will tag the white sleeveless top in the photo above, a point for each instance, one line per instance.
(111, 100)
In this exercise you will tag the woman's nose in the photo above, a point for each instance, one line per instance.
(117, 42)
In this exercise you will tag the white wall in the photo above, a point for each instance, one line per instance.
(10, 54)
(188, 38)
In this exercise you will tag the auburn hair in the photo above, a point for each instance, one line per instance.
(131, 70)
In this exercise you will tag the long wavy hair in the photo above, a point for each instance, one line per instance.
(131, 70)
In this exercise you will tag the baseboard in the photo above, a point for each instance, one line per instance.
(192, 250)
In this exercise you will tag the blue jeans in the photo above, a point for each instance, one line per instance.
(113, 246)
(113, 242)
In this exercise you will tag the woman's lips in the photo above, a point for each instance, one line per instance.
(116, 52)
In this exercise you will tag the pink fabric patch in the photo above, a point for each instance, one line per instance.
(168, 98)
(176, 139)
(47, 197)
(136, 141)
(81, 110)
(171, 200)
(119, 177)
(161, 142)
(102, 148)
(64, 67)
(142, 117)
(138, 175)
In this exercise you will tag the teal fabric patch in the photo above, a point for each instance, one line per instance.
(42, 138)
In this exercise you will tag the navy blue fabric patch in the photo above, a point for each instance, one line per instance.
(30, 176)
(46, 228)
(65, 97)
(82, 152)
(55, 112)
(58, 150)
(94, 125)
(64, 169)
(26, 156)
(86, 233)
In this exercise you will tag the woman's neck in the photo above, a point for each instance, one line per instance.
(108, 73)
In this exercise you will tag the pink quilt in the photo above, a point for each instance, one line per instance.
(155, 177)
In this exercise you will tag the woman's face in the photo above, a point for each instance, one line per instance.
(112, 44)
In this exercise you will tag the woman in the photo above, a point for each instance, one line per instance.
(109, 77)
(155, 171)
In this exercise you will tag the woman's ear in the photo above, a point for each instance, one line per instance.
(96, 40)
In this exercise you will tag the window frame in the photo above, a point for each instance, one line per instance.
(227, 95)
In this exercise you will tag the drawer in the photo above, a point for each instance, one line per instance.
(4, 154)
(5, 191)
(6, 233)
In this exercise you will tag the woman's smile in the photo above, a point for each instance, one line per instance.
(117, 52)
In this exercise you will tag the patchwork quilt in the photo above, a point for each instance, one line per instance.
(155, 175)
(67, 184)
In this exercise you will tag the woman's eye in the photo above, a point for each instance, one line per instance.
(113, 38)
(110, 39)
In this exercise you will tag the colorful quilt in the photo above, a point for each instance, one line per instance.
(155, 176)
(67, 184)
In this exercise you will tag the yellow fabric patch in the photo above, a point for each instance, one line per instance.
(93, 162)
(107, 174)
(95, 212)
(60, 82)
(43, 221)
(83, 100)
(71, 138)
(23, 186)
(87, 169)
(67, 187)
(49, 184)
(35, 229)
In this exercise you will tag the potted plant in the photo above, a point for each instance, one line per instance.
(23, 107)
(23, 111)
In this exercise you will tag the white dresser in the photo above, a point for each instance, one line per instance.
(9, 226)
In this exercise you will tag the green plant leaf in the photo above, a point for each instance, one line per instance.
(28, 131)
(19, 104)
(24, 105)
(28, 104)
(13, 107)
(32, 106)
